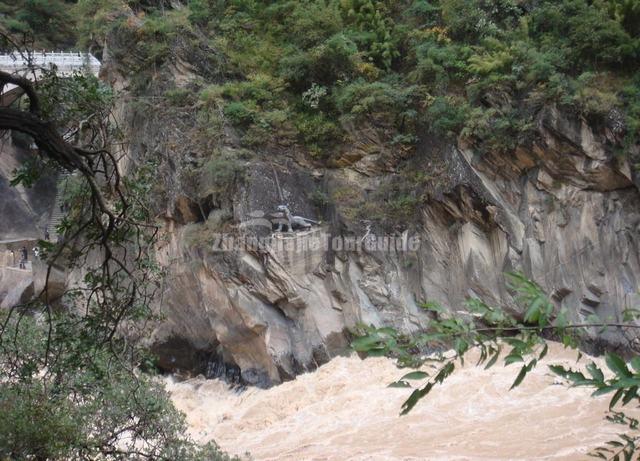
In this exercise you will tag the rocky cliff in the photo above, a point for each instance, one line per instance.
(24, 211)
(563, 210)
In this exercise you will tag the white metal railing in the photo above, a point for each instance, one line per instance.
(64, 61)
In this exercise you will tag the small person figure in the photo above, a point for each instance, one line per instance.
(13, 258)
(36, 252)
(46, 234)
(24, 256)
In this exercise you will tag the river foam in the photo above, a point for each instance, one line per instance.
(345, 411)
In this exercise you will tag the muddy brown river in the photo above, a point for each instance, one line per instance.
(345, 411)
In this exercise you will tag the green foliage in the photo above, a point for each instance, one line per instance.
(495, 130)
(98, 18)
(473, 19)
(627, 13)
(79, 409)
(384, 342)
(514, 339)
(255, 106)
(623, 384)
(389, 100)
(306, 24)
(180, 97)
(463, 333)
(203, 11)
(220, 171)
(239, 113)
(30, 171)
(593, 95)
(73, 98)
(313, 96)
(392, 206)
(319, 198)
(447, 115)
(327, 63)
(438, 61)
(374, 29)
(140, 41)
(630, 95)
(480, 69)
(585, 32)
(49, 21)
(317, 131)
(157, 32)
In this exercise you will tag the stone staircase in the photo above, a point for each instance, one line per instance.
(58, 213)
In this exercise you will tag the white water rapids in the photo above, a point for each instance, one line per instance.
(345, 411)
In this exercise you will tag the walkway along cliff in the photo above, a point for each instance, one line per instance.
(29, 214)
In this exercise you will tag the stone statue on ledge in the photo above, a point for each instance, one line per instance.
(285, 222)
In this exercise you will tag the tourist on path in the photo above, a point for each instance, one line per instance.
(24, 253)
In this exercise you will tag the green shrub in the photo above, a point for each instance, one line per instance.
(65, 394)
(239, 113)
(16, 26)
(317, 131)
(319, 198)
(325, 64)
(374, 30)
(211, 95)
(313, 96)
(438, 61)
(471, 20)
(391, 107)
(395, 203)
(593, 94)
(256, 106)
(627, 13)
(334, 59)
(98, 18)
(494, 130)
(630, 96)
(49, 22)
(157, 32)
(259, 89)
(203, 11)
(179, 96)
(404, 207)
(586, 31)
(311, 23)
(220, 172)
(446, 116)
(361, 98)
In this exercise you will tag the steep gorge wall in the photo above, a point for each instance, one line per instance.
(564, 211)
(24, 212)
